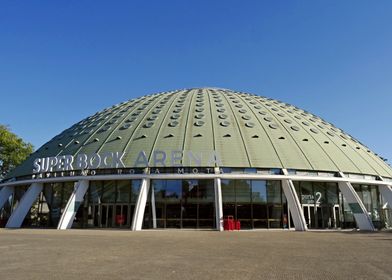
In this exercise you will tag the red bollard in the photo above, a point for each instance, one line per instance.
(237, 225)
(228, 223)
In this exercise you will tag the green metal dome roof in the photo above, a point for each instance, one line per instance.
(245, 130)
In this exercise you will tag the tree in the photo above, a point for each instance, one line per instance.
(13, 150)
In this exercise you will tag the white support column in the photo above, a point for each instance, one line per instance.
(5, 193)
(294, 205)
(153, 209)
(386, 192)
(74, 201)
(18, 215)
(361, 216)
(140, 206)
(218, 204)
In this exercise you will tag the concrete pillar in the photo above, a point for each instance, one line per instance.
(361, 216)
(18, 215)
(218, 204)
(140, 206)
(294, 205)
(73, 204)
(5, 193)
(386, 192)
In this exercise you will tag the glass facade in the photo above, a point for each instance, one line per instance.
(255, 203)
(323, 205)
(109, 204)
(371, 199)
(190, 203)
(180, 204)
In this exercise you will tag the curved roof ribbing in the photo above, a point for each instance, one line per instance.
(245, 130)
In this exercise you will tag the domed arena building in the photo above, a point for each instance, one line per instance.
(189, 158)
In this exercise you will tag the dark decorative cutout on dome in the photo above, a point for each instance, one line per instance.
(175, 116)
(177, 110)
(125, 126)
(239, 105)
(141, 137)
(268, 119)
(169, 136)
(76, 142)
(148, 124)
(199, 123)
(314, 130)
(273, 126)
(255, 136)
(200, 104)
(262, 113)
(96, 140)
(222, 116)
(224, 123)
(219, 105)
(295, 128)
(118, 137)
(199, 110)
(221, 110)
(173, 123)
(281, 115)
(152, 118)
(281, 138)
(60, 145)
(326, 142)
(246, 117)
(287, 121)
(344, 145)
(330, 134)
(249, 124)
(198, 135)
(305, 140)
(257, 107)
(199, 116)
(242, 111)
(358, 148)
(227, 135)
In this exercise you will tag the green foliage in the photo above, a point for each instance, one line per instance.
(13, 150)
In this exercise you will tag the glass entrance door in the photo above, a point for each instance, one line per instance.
(321, 216)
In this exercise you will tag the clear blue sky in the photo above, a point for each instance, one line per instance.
(61, 61)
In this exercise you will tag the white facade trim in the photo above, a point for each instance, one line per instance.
(294, 205)
(199, 176)
(361, 216)
(73, 204)
(20, 212)
(5, 193)
(218, 204)
(140, 206)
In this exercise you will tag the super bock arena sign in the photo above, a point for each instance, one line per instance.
(92, 164)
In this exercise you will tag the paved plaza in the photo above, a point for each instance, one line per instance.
(175, 254)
